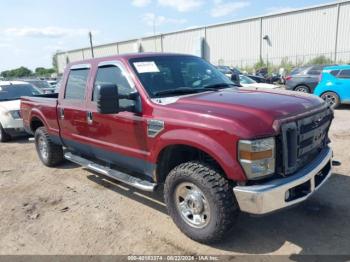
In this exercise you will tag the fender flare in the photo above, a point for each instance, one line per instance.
(198, 140)
(35, 113)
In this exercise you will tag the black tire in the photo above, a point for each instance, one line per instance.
(332, 99)
(3, 136)
(303, 89)
(218, 194)
(53, 155)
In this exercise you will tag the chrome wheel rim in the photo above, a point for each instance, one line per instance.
(330, 99)
(192, 205)
(302, 89)
(42, 145)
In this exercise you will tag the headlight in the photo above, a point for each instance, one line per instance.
(257, 157)
(15, 114)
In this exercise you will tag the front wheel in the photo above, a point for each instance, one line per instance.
(200, 202)
(331, 98)
(49, 153)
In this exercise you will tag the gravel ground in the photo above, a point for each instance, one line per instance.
(69, 210)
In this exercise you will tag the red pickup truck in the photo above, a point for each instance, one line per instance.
(167, 119)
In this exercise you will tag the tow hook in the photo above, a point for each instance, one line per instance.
(336, 163)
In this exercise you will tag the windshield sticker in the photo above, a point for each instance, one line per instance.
(146, 67)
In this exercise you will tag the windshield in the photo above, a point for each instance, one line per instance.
(246, 80)
(14, 92)
(173, 75)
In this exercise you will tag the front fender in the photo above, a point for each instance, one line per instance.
(227, 160)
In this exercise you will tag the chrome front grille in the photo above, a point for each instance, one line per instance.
(304, 139)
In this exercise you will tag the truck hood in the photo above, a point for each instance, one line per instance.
(10, 105)
(252, 110)
(259, 85)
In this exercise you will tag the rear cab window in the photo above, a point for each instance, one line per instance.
(76, 84)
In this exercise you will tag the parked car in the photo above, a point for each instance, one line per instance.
(229, 71)
(334, 86)
(11, 124)
(257, 79)
(52, 83)
(304, 79)
(149, 120)
(247, 82)
(43, 85)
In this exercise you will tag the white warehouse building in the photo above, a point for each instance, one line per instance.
(297, 35)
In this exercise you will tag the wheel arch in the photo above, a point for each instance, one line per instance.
(330, 91)
(305, 85)
(173, 155)
(179, 148)
(36, 121)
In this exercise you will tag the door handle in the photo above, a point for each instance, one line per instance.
(62, 113)
(89, 117)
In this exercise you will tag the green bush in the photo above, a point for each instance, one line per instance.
(320, 60)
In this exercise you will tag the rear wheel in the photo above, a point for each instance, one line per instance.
(200, 202)
(49, 153)
(303, 89)
(3, 136)
(331, 98)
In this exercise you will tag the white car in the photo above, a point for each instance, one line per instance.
(246, 81)
(11, 123)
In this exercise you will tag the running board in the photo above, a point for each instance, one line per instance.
(122, 177)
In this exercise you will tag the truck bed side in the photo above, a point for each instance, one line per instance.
(40, 109)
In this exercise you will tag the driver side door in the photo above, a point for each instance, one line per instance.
(121, 138)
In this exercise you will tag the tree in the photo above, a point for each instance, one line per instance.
(41, 71)
(17, 73)
(55, 62)
(320, 60)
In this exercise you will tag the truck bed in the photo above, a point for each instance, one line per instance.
(42, 107)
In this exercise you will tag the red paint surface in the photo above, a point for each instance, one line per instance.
(213, 121)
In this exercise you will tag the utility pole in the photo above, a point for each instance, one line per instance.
(268, 43)
(154, 33)
(91, 46)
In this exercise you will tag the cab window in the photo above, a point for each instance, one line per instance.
(112, 74)
(344, 74)
(76, 84)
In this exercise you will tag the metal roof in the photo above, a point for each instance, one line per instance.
(339, 2)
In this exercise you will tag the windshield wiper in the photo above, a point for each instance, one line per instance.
(184, 90)
(219, 86)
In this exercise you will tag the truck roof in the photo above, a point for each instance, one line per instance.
(124, 57)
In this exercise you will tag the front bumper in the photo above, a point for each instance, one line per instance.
(271, 196)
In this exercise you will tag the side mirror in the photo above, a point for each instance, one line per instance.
(235, 79)
(107, 99)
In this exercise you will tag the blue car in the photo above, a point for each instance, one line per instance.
(334, 86)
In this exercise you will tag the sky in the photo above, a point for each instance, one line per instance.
(31, 31)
